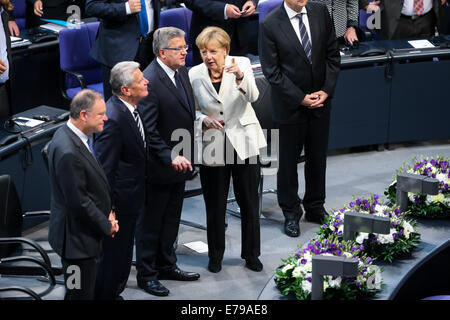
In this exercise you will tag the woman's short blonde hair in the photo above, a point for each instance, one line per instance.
(210, 34)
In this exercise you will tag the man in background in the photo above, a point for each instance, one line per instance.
(230, 15)
(300, 58)
(80, 206)
(125, 33)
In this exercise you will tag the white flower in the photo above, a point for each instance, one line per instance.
(287, 267)
(306, 286)
(386, 238)
(411, 196)
(438, 198)
(361, 237)
(341, 228)
(336, 283)
(379, 210)
(407, 228)
(297, 272)
(442, 177)
(375, 278)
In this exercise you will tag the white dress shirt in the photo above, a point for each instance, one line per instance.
(168, 70)
(3, 51)
(79, 133)
(295, 22)
(408, 7)
(149, 10)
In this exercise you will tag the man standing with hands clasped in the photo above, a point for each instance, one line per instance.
(300, 59)
(80, 206)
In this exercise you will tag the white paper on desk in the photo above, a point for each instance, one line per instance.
(420, 44)
(28, 122)
(198, 246)
(14, 39)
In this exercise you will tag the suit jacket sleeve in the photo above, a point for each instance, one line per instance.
(352, 13)
(333, 58)
(150, 112)
(268, 54)
(78, 201)
(248, 85)
(105, 9)
(107, 150)
(211, 9)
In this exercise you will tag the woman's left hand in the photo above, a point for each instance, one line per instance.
(234, 69)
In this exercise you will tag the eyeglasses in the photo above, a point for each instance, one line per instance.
(185, 48)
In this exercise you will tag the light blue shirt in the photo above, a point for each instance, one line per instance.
(3, 53)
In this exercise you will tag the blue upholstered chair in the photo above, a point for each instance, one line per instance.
(265, 7)
(181, 19)
(19, 12)
(79, 69)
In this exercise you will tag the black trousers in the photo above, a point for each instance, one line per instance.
(115, 260)
(5, 108)
(422, 27)
(79, 285)
(144, 56)
(312, 134)
(215, 183)
(158, 230)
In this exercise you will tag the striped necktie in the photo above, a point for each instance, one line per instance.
(306, 43)
(418, 7)
(139, 125)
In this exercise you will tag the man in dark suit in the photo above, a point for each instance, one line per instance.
(410, 18)
(5, 60)
(80, 206)
(230, 15)
(300, 59)
(169, 106)
(125, 33)
(121, 149)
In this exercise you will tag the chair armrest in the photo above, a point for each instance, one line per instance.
(22, 289)
(62, 81)
(44, 266)
(32, 243)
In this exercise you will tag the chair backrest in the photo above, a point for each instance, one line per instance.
(265, 7)
(19, 12)
(45, 152)
(181, 19)
(11, 219)
(363, 17)
(74, 47)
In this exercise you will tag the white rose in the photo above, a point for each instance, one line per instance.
(341, 228)
(438, 198)
(442, 177)
(297, 272)
(386, 238)
(306, 286)
(287, 267)
(407, 228)
(361, 237)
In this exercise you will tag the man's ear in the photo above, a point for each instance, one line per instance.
(125, 90)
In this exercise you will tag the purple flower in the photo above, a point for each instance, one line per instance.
(351, 204)
(303, 261)
(369, 260)
(395, 235)
(309, 279)
(361, 247)
(375, 196)
(358, 201)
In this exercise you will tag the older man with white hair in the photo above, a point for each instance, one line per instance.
(121, 150)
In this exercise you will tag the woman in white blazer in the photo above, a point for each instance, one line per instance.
(229, 137)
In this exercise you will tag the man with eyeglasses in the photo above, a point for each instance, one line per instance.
(169, 107)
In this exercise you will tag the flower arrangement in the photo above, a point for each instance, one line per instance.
(403, 236)
(426, 206)
(295, 275)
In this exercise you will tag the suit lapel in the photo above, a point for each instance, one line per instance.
(286, 26)
(130, 120)
(87, 155)
(187, 84)
(227, 80)
(315, 30)
(169, 84)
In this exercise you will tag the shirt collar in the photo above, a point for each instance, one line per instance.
(168, 70)
(78, 132)
(129, 106)
(291, 13)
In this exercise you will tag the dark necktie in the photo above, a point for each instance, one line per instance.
(306, 42)
(137, 118)
(181, 88)
(91, 149)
